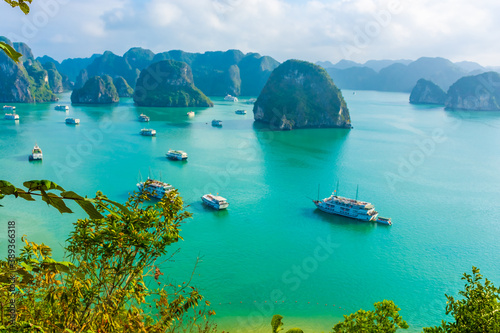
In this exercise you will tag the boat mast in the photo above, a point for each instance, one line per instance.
(357, 188)
(318, 192)
(337, 190)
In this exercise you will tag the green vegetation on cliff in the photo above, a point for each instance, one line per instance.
(300, 94)
(479, 92)
(97, 90)
(169, 83)
(426, 92)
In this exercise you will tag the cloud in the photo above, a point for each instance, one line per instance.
(312, 30)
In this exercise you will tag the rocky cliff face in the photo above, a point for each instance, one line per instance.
(123, 88)
(426, 92)
(23, 82)
(97, 90)
(168, 83)
(300, 94)
(477, 93)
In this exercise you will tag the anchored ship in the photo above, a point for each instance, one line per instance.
(215, 201)
(148, 132)
(352, 208)
(62, 108)
(72, 121)
(36, 154)
(177, 155)
(154, 188)
(143, 118)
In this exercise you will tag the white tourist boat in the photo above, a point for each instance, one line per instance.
(148, 132)
(230, 98)
(177, 155)
(36, 154)
(240, 112)
(62, 108)
(154, 188)
(215, 201)
(9, 108)
(217, 123)
(353, 208)
(143, 118)
(72, 121)
(251, 101)
(11, 116)
(190, 114)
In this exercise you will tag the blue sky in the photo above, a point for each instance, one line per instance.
(318, 30)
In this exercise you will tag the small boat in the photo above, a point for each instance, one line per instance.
(251, 101)
(230, 98)
(36, 154)
(352, 208)
(240, 112)
(190, 114)
(9, 108)
(217, 123)
(154, 188)
(72, 121)
(12, 116)
(215, 201)
(143, 118)
(148, 132)
(62, 108)
(177, 155)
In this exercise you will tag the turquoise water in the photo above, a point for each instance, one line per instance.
(434, 172)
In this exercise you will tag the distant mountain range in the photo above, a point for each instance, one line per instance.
(215, 73)
(400, 75)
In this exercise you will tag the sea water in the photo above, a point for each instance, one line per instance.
(433, 172)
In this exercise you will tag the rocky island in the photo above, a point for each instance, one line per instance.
(426, 92)
(169, 83)
(97, 90)
(300, 94)
(477, 93)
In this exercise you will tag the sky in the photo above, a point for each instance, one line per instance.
(315, 30)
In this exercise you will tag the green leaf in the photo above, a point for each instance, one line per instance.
(88, 207)
(9, 50)
(38, 185)
(25, 195)
(119, 205)
(7, 188)
(54, 201)
(24, 7)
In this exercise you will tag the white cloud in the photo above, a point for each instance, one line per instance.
(310, 30)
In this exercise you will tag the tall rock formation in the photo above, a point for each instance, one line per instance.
(300, 94)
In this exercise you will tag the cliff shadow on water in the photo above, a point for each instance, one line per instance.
(307, 149)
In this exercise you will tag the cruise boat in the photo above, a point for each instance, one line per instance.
(190, 114)
(230, 98)
(148, 132)
(215, 201)
(217, 123)
(352, 208)
(9, 108)
(36, 154)
(240, 112)
(154, 188)
(62, 108)
(72, 121)
(143, 118)
(12, 116)
(177, 155)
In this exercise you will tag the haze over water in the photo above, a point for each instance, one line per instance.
(434, 172)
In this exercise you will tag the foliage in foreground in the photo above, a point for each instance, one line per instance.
(477, 311)
(111, 281)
